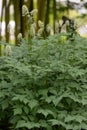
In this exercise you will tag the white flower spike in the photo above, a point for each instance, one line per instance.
(8, 50)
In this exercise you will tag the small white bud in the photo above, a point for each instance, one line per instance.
(56, 27)
(40, 31)
(30, 19)
(34, 12)
(19, 37)
(34, 25)
(29, 16)
(48, 28)
(8, 28)
(24, 10)
(40, 24)
(8, 50)
(32, 29)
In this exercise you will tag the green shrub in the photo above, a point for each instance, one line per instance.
(43, 85)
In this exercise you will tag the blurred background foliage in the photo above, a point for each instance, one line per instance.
(49, 11)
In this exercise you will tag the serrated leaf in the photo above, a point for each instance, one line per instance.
(84, 101)
(69, 118)
(49, 127)
(5, 104)
(56, 100)
(26, 109)
(26, 100)
(17, 111)
(76, 118)
(69, 126)
(56, 122)
(45, 112)
(15, 119)
(53, 91)
(33, 103)
(20, 124)
(50, 99)
(43, 123)
(29, 125)
(83, 126)
(43, 92)
(2, 94)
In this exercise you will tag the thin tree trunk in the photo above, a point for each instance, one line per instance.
(29, 4)
(21, 18)
(3, 5)
(67, 7)
(47, 12)
(47, 15)
(7, 5)
(54, 14)
(17, 19)
(2, 9)
(0, 50)
(41, 8)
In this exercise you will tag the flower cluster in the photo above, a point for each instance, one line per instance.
(42, 28)
(31, 25)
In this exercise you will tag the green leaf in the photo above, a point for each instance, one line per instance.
(45, 112)
(20, 124)
(18, 111)
(26, 100)
(43, 123)
(77, 118)
(43, 92)
(5, 104)
(2, 94)
(83, 126)
(53, 91)
(33, 103)
(50, 99)
(56, 100)
(56, 122)
(15, 119)
(29, 125)
(26, 109)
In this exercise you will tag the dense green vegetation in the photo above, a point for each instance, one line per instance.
(43, 79)
(43, 85)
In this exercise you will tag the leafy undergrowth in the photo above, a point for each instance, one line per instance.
(43, 85)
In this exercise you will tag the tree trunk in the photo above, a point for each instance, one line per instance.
(47, 15)
(41, 8)
(54, 14)
(7, 5)
(17, 19)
